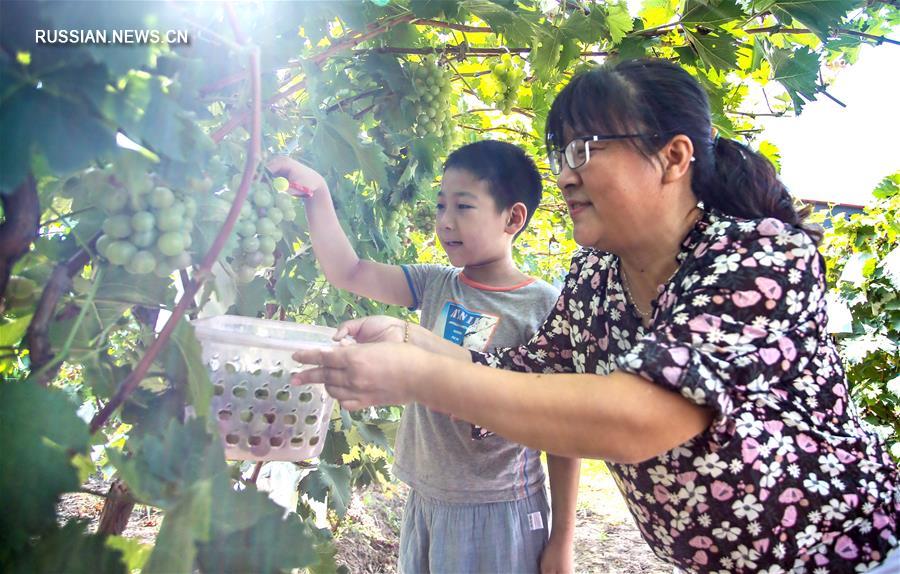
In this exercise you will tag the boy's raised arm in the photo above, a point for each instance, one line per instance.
(339, 262)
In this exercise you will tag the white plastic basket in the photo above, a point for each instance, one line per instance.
(261, 416)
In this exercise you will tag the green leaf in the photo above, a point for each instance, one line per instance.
(252, 297)
(184, 362)
(161, 468)
(580, 26)
(342, 142)
(329, 480)
(372, 434)
(711, 13)
(716, 50)
(818, 15)
(119, 286)
(71, 550)
(38, 430)
(68, 133)
(271, 545)
(798, 72)
(545, 55)
(335, 447)
(513, 26)
(12, 331)
(185, 523)
(618, 22)
(134, 553)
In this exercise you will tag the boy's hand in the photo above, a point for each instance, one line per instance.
(298, 175)
(376, 329)
(558, 556)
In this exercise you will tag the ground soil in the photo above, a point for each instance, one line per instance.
(606, 540)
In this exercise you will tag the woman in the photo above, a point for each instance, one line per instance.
(688, 348)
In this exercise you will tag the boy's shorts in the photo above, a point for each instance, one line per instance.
(451, 538)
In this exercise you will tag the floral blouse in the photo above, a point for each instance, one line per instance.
(785, 479)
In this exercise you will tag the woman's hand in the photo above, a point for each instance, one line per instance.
(375, 329)
(297, 173)
(365, 375)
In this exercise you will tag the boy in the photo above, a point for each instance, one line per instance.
(474, 505)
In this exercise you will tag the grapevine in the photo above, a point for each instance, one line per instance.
(509, 78)
(431, 97)
(258, 229)
(149, 225)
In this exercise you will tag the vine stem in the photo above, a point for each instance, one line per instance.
(134, 379)
(37, 334)
(20, 228)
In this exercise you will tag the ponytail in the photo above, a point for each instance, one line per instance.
(658, 97)
(742, 183)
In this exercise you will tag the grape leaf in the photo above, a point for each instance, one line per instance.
(329, 480)
(38, 429)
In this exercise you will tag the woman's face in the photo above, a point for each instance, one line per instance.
(613, 197)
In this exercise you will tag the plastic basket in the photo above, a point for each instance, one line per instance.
(261, 416)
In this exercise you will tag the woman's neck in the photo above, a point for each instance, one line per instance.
(652, 264)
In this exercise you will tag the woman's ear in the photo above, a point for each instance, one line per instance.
(516, 219)
(677, 157)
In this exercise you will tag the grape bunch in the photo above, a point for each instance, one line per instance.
(508, 78)
(148, 229)
(257, 230)
(431, 99)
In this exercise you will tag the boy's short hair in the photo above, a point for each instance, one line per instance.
(511, 175)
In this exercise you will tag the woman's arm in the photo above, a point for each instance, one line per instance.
(620, 417)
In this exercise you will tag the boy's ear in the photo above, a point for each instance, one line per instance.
(516, 219)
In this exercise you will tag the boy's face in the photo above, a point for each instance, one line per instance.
(470, 228)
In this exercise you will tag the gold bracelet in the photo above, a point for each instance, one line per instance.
(406, 331)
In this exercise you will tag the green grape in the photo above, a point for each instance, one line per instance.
(187, 239)
(266, 244)
(289, 213)
(254, 259)
(280, 184)
(163, 269)
(268, 260)
(142, 262)
(169, 220)
(116, 201)
(246, 209)
(162, 197)
(103, 242)
(119, 252)
(264, 226)
(180, 261)
(144, 238)
(143, 221)
(190, 207)
(262, 198)
(137, 201)
(245, 228)
(117, 226)
(171, 243)
(284, 201)
(276, 215)
(250, 244)
(246, 274)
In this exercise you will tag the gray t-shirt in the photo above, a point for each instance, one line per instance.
(436, 454)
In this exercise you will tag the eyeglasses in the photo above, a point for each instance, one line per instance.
(577, 152)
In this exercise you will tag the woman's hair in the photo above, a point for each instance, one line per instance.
(660, 99)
